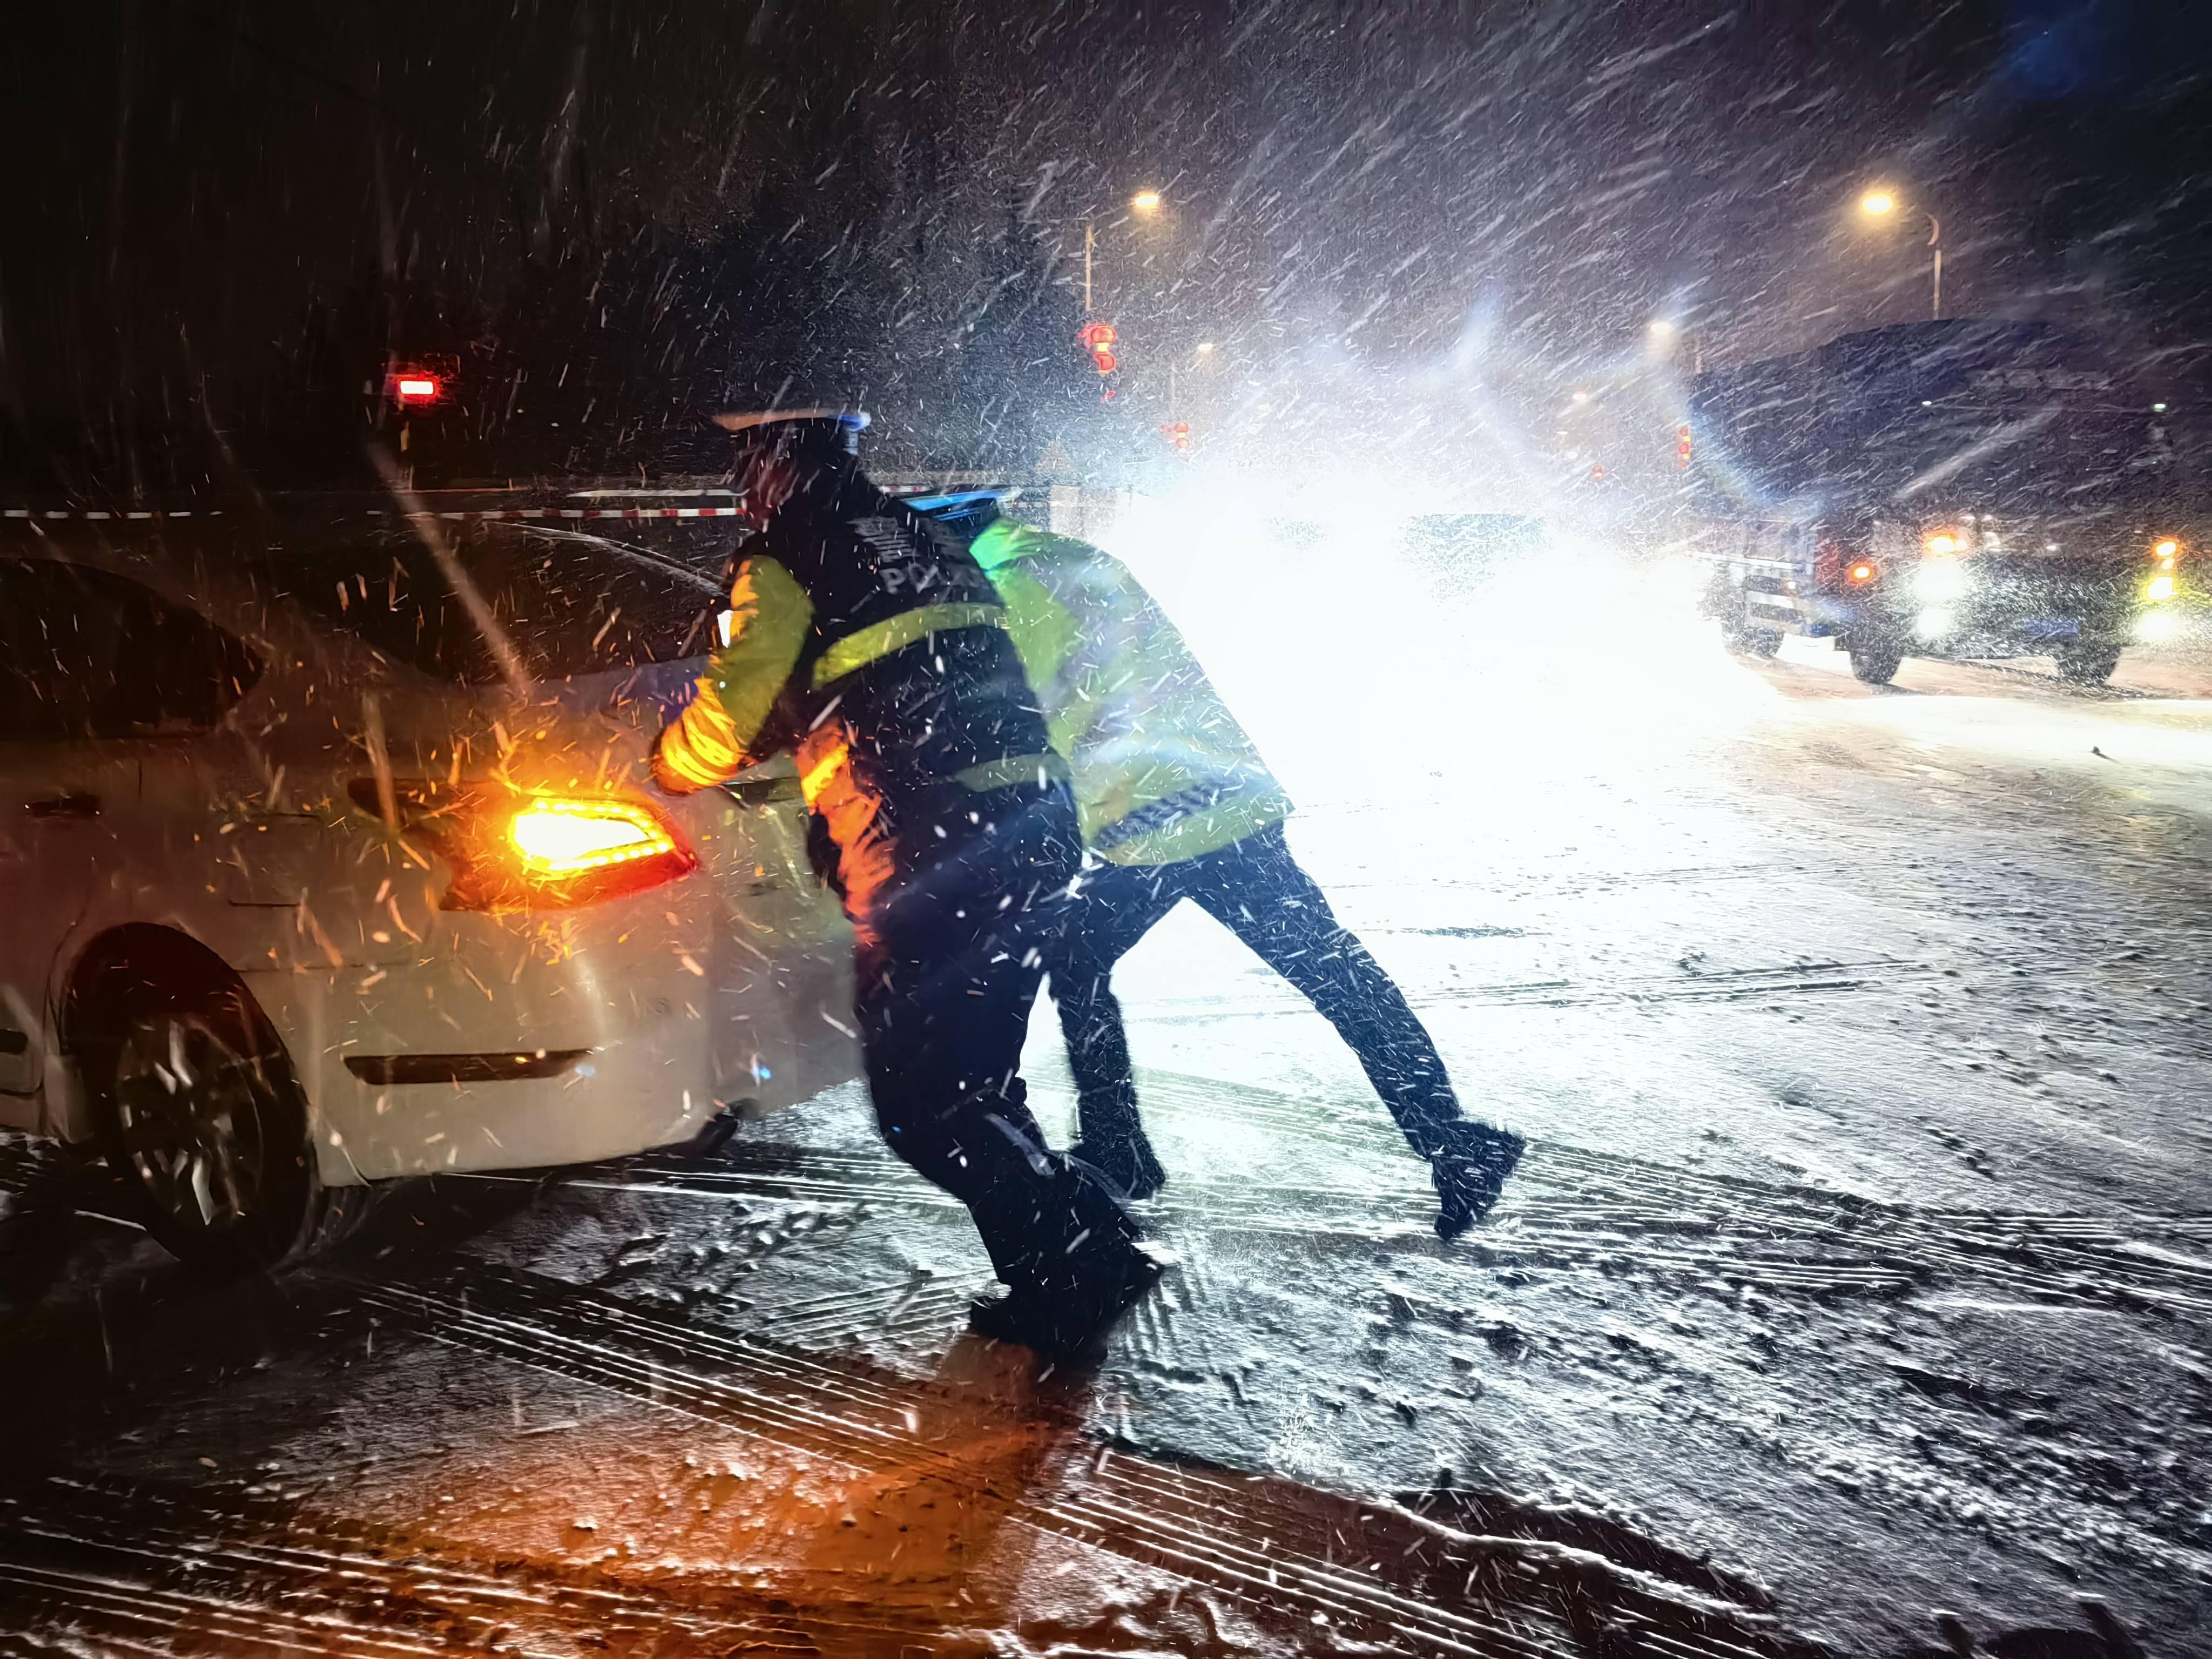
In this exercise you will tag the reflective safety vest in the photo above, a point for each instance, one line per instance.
(1162, 770)
(865, 639)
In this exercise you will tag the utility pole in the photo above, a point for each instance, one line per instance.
(1934, 233)
(1089, 242)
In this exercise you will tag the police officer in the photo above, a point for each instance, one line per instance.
(865, 640)
(1176, 803)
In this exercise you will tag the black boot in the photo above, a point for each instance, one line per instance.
(1470, 1167)
(1072, 1266)
(1127, 1160)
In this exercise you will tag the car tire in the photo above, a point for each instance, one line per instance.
(2087, 663)
(1741, 637)
(1876, 664)
(205, 1123)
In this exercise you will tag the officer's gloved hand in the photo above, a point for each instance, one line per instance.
(666, 777)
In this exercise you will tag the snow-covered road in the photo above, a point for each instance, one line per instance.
(1860, 1271)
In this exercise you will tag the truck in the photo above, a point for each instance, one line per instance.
(1958, 489)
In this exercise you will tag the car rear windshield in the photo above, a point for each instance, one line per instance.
(568, 602)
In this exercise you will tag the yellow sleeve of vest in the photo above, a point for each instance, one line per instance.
(711, 739)
(1044, 636)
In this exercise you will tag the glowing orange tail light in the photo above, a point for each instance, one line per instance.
(1862, 572)
(556, 838)
(516, 851)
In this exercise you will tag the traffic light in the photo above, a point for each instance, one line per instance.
(415, 388)
(1178, 435)
(1097, 340)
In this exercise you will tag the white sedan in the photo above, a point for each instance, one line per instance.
(326, 857)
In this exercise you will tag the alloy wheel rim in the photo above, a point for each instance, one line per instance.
(190, 1103)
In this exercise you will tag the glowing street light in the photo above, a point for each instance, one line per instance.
(1881, 204)
(1205, 347)
(1146, 200)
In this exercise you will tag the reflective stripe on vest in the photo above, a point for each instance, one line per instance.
(857, 650)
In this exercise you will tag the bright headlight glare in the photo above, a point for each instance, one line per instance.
(2156, 627)
(1934, 622)
(2165, 549)
(1942, 581)
(2158, 587)
(559, 838)
(1941, 542)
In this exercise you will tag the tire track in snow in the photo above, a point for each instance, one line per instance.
(1811, 1264)
(1194, 1523)
(1581, 1205)
(166, 1572)
(135, 1615)
(1572, 1209)
(1719, 985)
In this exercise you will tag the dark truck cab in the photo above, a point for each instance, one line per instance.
(1956, 489)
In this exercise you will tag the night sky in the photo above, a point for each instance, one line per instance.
(214, 205)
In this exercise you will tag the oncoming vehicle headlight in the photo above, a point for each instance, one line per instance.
(2158, 587)
(2165, 549)
(1944, 543)
(1935, 622)
(1940, 581)
(2156, 627)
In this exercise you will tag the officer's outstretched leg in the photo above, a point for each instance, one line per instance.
(1114, 908)
(944, 991)
(1257, 889)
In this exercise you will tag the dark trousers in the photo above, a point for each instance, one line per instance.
(1256, 889)
(947, 964)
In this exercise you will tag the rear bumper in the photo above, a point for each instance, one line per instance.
(510, 1042)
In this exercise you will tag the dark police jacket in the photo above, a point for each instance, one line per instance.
(863, 637)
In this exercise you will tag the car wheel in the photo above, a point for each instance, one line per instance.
(206, 1124)
(2088, 664)
(1877, 665)
(1756, 641)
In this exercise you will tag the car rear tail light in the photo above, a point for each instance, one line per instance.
(515, 851)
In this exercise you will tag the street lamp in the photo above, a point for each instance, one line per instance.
(1145, 201)
(1880, 204)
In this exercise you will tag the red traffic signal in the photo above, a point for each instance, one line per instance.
(1097, 340)
(415, 388)
(1178, 435)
